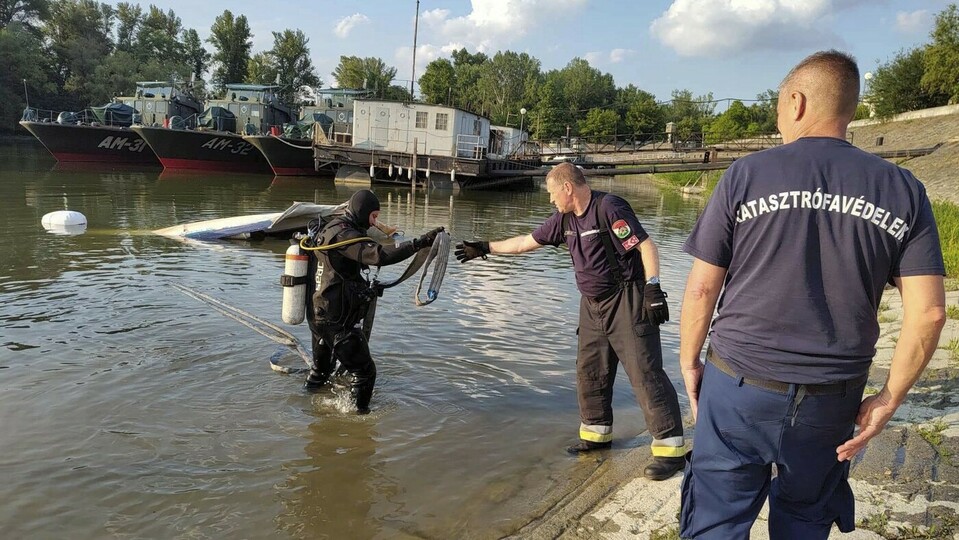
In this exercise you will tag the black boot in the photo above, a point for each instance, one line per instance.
(663, 468)
(362, 389)
(583, 447)
(315, 380)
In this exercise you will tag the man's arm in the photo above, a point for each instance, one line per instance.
(650, 257)
(516, 244)
(703, 286)
(923, 316)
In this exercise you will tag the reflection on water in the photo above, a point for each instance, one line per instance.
(132, 410)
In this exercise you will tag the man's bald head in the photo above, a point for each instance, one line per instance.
(567, 172)
(830, 82)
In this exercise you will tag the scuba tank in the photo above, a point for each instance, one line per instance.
(293, 281)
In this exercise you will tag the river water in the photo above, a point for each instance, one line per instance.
(131, 410)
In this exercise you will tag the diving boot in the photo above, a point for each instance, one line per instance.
(663, 468)
(583, 447)
(362, 389)
(315, 380)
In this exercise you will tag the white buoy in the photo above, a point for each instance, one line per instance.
(390, 170)
(372, 171)
(64, 222)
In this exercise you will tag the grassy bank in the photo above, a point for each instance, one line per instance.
(947, 219)
(947, 214)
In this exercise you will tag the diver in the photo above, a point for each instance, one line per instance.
(343, 294)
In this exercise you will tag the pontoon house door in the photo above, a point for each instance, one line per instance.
(381, 126)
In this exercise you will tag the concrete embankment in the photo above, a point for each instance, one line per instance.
(906, 482)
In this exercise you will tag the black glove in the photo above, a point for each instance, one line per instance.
(466, 251)
(655, 309)
(427, 239)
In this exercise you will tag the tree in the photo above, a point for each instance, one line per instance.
(731, 124)
(232, 41)
(438, 81)
(128, 25)
(158, 39)
(23, 60)
(689, 115)
(197, 58)
(640, 112)
(291, 60)
(78, 33)
(502, 84)
(25, 12)
(941, 57)
(896, 86)
(260, 69)
(366, 73)
(585, 87)
(547, 118)
(599, 123)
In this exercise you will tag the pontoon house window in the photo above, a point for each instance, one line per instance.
(441, 121)
(421, 119)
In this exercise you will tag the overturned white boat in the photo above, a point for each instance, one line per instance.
(294, 218)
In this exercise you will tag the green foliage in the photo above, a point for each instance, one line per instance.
(26, 13)
(438, 81)
(78, 32)
(863, 111)
(599, 124)
(503, 84)
(941, 58)
(290, 59)
(640, 112)
(367, 73)
(952, 312)
(23, 60)
(232, 41)
(895, 86)
(947, 221)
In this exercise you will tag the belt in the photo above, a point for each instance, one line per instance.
(783, 387)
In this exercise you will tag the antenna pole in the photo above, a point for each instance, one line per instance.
(416, 26)
(27, 96)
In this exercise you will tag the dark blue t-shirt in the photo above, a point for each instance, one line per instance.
(593, 274)
(810, 233)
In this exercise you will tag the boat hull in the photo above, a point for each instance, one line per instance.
(289, 157)
(70, 143)
(203, 150)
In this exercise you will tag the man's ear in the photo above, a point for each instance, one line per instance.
(797, 105)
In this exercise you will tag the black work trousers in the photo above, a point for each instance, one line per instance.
(611, 332)
(350, 348)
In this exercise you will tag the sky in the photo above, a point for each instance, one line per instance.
(732, 48)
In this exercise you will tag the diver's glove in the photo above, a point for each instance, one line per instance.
(466, 251)
(427, 239)
(655, 309)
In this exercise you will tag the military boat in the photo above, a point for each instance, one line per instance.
(216, 143)
(102, 134)
(322, 114)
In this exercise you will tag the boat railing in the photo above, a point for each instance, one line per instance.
(85, 117)
(470, 146)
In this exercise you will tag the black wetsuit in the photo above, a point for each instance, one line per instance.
(342, 299)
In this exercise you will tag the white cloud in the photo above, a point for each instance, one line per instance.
(345, 25)
(618, 55)
(593, 57)
(913, 22)
(715, 27)
(493, 24)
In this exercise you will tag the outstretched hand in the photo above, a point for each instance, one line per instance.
(467, 251)
(874, 413)
(427, 239)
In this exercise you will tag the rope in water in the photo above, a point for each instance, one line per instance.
(264, 328)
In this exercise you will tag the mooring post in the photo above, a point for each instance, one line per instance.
(413, 165)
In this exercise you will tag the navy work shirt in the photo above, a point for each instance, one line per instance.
(593, 274)
(810, 233)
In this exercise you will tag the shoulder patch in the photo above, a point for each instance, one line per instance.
(631, 242)
(621, 229)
